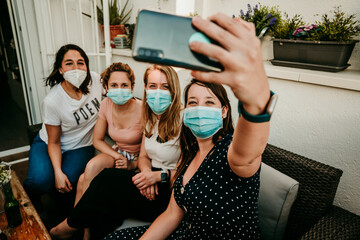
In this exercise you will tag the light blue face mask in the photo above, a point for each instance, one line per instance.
(158, 100)
(119, 96)
(203, 122)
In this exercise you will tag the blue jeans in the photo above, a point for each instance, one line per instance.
(40, 177)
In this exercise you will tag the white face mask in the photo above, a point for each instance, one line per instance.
(75, 77)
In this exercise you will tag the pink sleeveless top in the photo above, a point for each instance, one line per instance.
(128, 139)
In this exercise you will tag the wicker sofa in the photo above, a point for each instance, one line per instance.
(313, 215)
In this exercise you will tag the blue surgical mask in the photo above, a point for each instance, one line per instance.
(203, 122)
(158, 100)
(119, 96)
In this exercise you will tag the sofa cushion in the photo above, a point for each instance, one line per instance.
(130, 222)
(317, 187)
(277, 194)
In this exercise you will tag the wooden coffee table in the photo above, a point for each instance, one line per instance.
(31, 227)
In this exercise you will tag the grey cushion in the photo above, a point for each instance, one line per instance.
(277, 194)
(130, 222)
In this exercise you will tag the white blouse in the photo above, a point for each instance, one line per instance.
(163, 155)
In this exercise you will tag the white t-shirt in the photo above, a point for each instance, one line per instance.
(75, 117)
(163, 155)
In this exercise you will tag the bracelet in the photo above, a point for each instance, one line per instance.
(265, 117)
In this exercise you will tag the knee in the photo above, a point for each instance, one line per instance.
(80, 183)
(40, 183)
(91, 170)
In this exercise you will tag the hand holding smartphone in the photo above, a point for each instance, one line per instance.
(163, 38)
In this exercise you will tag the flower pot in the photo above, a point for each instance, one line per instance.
(114, 31)
(316, 55)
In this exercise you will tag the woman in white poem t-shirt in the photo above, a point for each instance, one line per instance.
(63, 147)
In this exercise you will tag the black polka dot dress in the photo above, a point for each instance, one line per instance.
(217, 203)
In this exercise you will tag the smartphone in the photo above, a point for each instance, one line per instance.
(163, 38)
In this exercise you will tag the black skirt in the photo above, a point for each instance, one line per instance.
(111, 198)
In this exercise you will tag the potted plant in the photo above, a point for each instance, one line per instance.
(264, 18)
(326, 45)
(118, 17)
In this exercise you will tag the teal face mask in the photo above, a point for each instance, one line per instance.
(158, 100)
(119, 96)
(203, 122)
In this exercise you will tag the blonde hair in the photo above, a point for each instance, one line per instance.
(170, 122)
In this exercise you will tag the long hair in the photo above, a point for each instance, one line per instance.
(117, 67)
(188, 143)
(169, 124)
(56, 77)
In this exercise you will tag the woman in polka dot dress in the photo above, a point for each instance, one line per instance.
(216, 186)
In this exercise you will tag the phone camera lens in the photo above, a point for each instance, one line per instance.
(141, 52)
(147, 53)
(154, 54)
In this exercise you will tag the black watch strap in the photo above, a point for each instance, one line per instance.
(265, 117)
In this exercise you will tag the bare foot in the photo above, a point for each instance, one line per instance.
(62, 231)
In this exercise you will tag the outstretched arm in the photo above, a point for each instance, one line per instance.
(244, 73)
(166, 223)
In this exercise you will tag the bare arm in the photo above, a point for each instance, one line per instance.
(62, 182)
(166, 223)
(100, 144)
(99, 139)
(244, 73)
(144, 162)
(146, 180)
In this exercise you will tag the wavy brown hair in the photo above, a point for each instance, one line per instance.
(169, 124)
(117, 67)
(56, 77)
(188, 143)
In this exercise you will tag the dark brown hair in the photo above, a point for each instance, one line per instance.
(188, 143)
(56, 77)
(117, 67)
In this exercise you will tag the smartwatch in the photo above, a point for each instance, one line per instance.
(164, 176)
(265, 117)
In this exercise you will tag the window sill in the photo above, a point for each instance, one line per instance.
(126, 52)
(347, 79)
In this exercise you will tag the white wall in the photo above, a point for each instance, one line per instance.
(321, 123)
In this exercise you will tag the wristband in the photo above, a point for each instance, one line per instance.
(265, 117)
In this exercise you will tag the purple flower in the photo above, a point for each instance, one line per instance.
(242, 13)
(249, 8)
(272, 21)
(268, 16)
(255, 8)
(247, 15)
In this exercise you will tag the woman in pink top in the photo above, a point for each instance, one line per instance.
(120, 115)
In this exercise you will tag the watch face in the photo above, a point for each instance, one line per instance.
(163, 176)
(272, 103)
